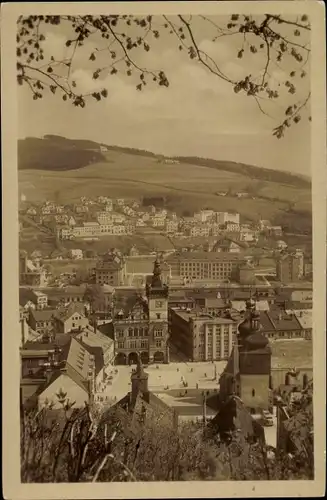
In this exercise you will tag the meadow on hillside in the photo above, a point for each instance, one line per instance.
(186, 185)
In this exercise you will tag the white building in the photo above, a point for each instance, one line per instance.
(76, 253)
(223, 217)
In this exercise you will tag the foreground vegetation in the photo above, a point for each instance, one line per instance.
(92, 445)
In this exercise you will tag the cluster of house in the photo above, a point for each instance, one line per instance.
(95, 218)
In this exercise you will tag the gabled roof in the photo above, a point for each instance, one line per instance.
(233, 416)
(134, 304)
(64, 313)
(43, 314)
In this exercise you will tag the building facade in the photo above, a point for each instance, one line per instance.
(142, 325)
(110, 271)
(205, 265)
(290, 267)
(200, 337)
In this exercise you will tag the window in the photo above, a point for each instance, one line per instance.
(130, 332)
(253, 393)
(120, 345)
(158, 332)
(144, 344)
(158, 343)
(158, 315)
(159, 304)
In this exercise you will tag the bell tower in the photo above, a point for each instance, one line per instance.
(157, 296)
(254, 362)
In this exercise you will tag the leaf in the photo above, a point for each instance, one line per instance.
(240, 54)
(64, 97)
(68, 43)
(289, 111)
(139, 86)
(50, 70)
(92, 57)
(104, 93)
(53, 88)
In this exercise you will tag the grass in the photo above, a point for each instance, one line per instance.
(190, 186)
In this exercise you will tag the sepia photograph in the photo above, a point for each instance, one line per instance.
(169, 296)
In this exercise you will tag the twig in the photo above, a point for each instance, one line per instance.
(103, 463)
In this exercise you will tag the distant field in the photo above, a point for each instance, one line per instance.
(190, 186)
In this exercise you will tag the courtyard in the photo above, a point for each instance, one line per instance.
(171, 380)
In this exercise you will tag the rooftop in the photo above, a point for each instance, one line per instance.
(43, 314)
(196, 316)
(207, 256)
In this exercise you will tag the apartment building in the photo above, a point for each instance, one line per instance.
(223, 217)
(290, 267)
(86, 229)
(110, 271)
(205, 265)
(104, 217)
(202, 337)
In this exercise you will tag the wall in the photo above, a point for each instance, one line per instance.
(66, 384)
(258, 383)
(70, 324)
(278, 375)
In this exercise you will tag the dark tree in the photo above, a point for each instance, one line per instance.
(282, 42)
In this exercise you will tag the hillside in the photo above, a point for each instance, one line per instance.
(53, 153)
(184, 187)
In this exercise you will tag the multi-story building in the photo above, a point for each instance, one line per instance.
(64, 232)
(232, 226)
(42, 322)
(171, 226)
(289, 267)
(223, 217)
(81, 209)
(104, 217)
(204, 215)
(205, 265)
(201, 337)
(199, 230)
(110, 271)
(142, 325)
(87, 229)
(248, 235)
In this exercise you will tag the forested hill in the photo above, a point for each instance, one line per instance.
(59, 153)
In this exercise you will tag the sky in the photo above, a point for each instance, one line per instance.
(197, 115)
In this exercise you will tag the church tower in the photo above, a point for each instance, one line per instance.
(248, 370)
(254, 362)
(157, 296)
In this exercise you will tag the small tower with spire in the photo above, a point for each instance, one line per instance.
(139, 380)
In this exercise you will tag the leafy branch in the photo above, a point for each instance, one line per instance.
(118, 39)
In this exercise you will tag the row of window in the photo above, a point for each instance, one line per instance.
(138, 344)
(139, 332)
